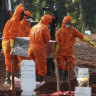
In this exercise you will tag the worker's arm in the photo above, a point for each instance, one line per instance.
(11, 44)
(89, 41)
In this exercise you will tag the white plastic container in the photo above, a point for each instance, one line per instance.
(82, 91)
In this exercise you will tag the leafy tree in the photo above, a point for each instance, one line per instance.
(89, 7)
(80, 17)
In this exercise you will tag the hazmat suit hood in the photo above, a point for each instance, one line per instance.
(46, 19)
(65, 20)
(18, 11)
(28, 15)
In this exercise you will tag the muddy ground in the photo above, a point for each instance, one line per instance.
(85, 57)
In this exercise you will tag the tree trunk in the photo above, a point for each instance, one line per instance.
(81, 15)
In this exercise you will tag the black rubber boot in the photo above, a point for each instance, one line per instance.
(53, 68)
(39, 78)
(7, 79)
(63, 75)
(48, 67)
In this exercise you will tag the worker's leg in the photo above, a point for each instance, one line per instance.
(8, 67)
(49, 66)
(62, 68)
(52, 68)
(61, 75)
(71, 62)
(65, 73)
(41, 62)
(39, 56)
(39, 78)
(7, 79)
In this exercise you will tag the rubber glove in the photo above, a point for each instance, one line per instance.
(55, 51)
(11, 44)
(92, 43)
(87, 40)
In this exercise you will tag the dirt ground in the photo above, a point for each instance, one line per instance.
(85, 57)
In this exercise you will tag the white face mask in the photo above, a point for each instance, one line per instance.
(28, 19)
(67, 25)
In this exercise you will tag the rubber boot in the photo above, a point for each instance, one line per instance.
(39, 78)
(61, 75)
(65, 73)
(53, 68)
(7, 79)
(48, 67)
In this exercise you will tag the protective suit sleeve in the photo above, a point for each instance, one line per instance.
(78, 34)
(11, 44)
(13, 30)
(46, 35)
(87, 40)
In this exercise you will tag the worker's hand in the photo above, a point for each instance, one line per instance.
(92, 43)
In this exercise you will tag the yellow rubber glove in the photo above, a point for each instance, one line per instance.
(92, 43)
(55, 50)
(11, 44)
(87, 40)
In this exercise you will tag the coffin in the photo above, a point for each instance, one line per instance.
(22, 43)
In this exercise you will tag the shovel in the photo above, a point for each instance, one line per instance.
(12, 74)
(57, 75)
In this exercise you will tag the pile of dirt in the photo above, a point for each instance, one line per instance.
(85, 57)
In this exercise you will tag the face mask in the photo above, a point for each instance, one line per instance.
(67, 25)
(28, 19)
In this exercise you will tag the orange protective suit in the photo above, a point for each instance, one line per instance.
(65, 37)
(39, 37)
(25, 28)
(11, 31)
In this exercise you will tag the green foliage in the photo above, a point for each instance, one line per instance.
(65, 7)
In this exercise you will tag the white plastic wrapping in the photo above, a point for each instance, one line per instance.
(22, 43)
(82, 76)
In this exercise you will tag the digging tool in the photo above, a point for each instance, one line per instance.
(69, 80)
(12, 74)
(57, 75)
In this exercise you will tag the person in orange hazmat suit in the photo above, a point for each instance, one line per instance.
(39, 37)
(25, 25)
(25, 28)
(65, 38)
(10, 32)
